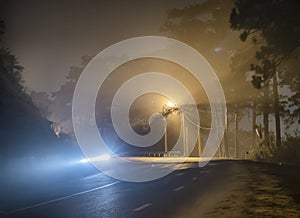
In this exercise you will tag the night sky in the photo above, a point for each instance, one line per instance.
(48, 37)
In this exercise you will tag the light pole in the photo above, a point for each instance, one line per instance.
(183, 134)
(199, 143)
(167, 109)
(166, 139)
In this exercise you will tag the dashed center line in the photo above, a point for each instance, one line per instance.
(142, 207)
(91, 177)
(179, 188)
(63, 198)
(179, 174)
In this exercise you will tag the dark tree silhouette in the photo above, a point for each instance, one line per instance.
(22, 129)
(10, 69)
(274, 27)
(205, 27)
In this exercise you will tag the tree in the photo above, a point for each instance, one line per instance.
(22, 129)
(42, 101)
(60, 106)
(205, 27)
(273, 26)
(57, 107)
(10, 69)
(291, 68)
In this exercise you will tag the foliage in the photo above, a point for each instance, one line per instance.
(57, 107)
(289, 152)
(274, 27)
(11, 78)
(10, 69)
(206, 28)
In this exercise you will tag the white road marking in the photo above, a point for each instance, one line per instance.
(91, 177)
(179, 188)
(142, 207)
(179, 174)
(63, 198)
(194, 178)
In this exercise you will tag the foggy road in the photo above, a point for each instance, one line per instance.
(172, 85)
(220, 189)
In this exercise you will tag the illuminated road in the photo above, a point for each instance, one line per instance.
(220, 189)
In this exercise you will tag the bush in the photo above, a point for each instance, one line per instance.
(289, 151)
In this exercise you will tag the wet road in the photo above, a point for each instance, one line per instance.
(220, 189)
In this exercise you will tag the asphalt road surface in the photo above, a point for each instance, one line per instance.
(220, 189)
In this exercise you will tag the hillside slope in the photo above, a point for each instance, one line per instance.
(22, 129)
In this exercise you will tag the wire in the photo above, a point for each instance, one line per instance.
(195, 124)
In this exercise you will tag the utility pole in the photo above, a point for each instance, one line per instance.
(236, 131)
(225, 138)
(187, 152)
(220, 151)
(266, 115)
(199, 143)
(166, 139)
(276, 110)
(183, 133)
(253, 125)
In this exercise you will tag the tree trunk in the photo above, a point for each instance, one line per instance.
(226, 136)
(253, 125)
(166, 140)
(266, 115)
(276, 110)
(236, 119)
(199, 143)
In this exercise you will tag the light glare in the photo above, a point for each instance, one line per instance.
(83, 160)
(170, 104)
(103, 157)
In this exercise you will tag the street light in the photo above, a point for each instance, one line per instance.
(170, 104)
(170, 108)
